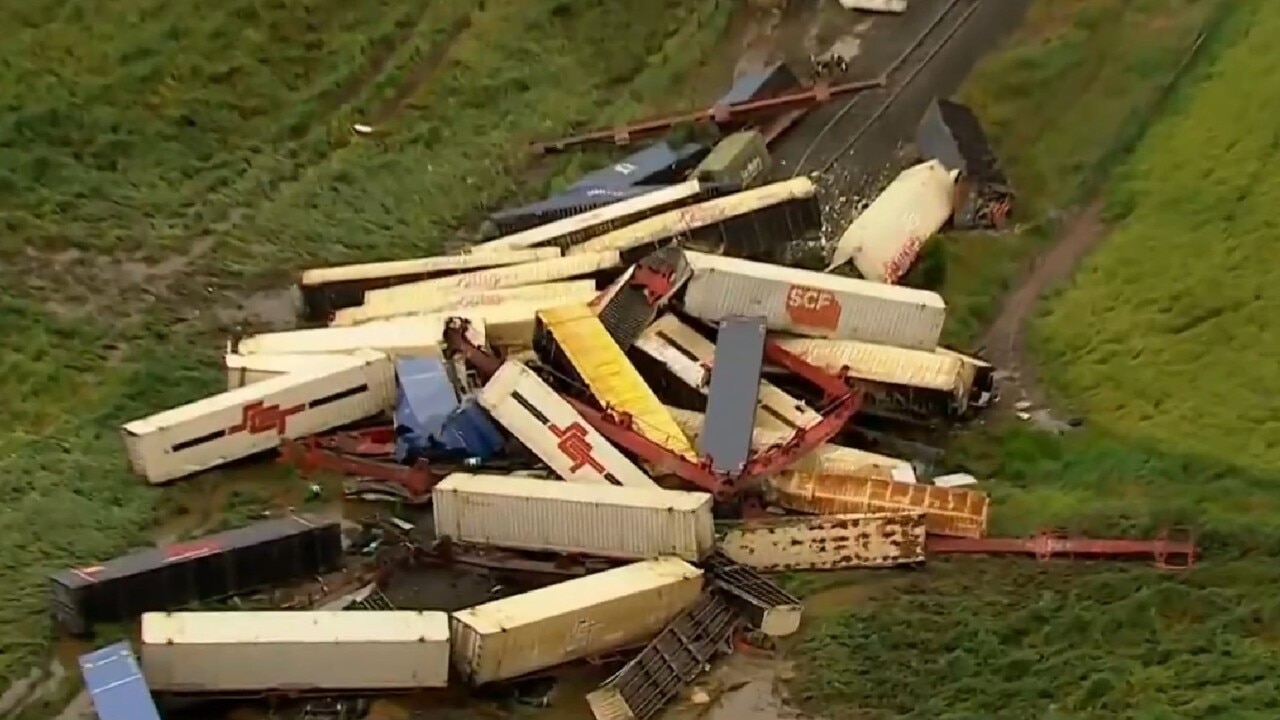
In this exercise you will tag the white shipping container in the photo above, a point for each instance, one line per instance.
(827, 542)
(423, 266)
(571, 620)
(248, 369)
(826, 459)
(813, 304)
(466, 299)
(603, 520)
(294, 651)
(566, 227)
(896, 7)
(409, 336)
(255, 418)
(536, 273)
(555, 432)
(884, 240)
(942, 372)
(689, 356)
(687, 219)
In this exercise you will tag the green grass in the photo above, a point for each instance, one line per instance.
(159, 164)
(1161, 341)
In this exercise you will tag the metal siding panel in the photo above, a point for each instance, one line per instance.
(571, 620)
(525, 405)
(116, 685)
(564, 205)
(424, 266)
(813, 304)
(655, 164)
(536, 273)
(151, 442)
(831, 542)
(605, 521)
(731, 410)
(885, 364)
(396, 337)
(935, 141)
(248, 369)
(462, 300)
(956, 512)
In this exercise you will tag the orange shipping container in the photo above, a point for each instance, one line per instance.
(957, 512)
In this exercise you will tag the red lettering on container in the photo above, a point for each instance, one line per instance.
(901, 263)
(575, 446)
(188, 550)
(258, 417)
(812, 307)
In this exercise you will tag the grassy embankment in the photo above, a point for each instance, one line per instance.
(159, 164)
(1162, 342)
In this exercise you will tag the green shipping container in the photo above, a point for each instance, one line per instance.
(741, 157)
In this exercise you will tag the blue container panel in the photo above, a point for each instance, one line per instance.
(469, 431)
(561, 206)
(115, 684)
(657, 164)
(770, 82)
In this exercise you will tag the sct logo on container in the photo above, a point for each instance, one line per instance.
(812, 307)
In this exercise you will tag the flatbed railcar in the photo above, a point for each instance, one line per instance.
(229, 563)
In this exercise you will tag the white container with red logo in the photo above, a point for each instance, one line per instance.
(813, 304)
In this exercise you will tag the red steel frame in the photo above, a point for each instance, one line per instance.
(737, 113)
(1175, 548)
(311, 455)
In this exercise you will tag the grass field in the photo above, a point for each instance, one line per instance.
(159, 164)
(1161, 341)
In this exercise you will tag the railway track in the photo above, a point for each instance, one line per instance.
(847, 127)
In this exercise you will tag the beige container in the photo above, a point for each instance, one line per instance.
(422, 266)
(557, 231)
(255, 418)
(548, 295)
(688, 356)
(409, 336)
(248, 369)
(956, 512)
(555, 432)
(687, 219)
(601, 520)
(536, 273)
(829, 542)
(571, 620)
(294, 651)
(813, 304)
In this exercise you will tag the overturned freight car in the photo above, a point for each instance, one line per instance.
(228, 563)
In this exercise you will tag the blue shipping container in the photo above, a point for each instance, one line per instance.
(116, 685)
(424, 398)
(770, 82)
(657, 164)
(558, 207)
(469, 431)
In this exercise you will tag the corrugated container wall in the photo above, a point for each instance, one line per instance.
(536, 273)
(956, 512)
(887, 364)
(813, 304)
(884, 240)
(294, 650)
(248, 369)
(467, 299)
(602, 520)
(238, 423)
(571, 620)
(420, 336)
(829, 542)
(527, 407)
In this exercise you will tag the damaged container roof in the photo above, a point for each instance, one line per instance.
(657, 164)
(558, 207)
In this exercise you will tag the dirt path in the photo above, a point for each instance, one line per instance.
(1005, 342)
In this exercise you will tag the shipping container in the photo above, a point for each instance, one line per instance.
(527, 407)
(295, 651)
(951, 133)
(732, 395)
(537, 273)
(654, 230)
(573, 230)
(689, 357)
(572, 339)
(600, 520)
(826, 459)
(813, 304)
(557, 207)
(234, 562)
(897, 382)
(884, 239)
(658, 164)
(628, 306)
(982, 391)
(772, 81)
(413, 336)
(238, 423)
(248, 369)
(957, 512)
(325, 290)
(455, 300)
(571, 620)
(740, 158)
(115, 684)
(828, 542)
(896, 7)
